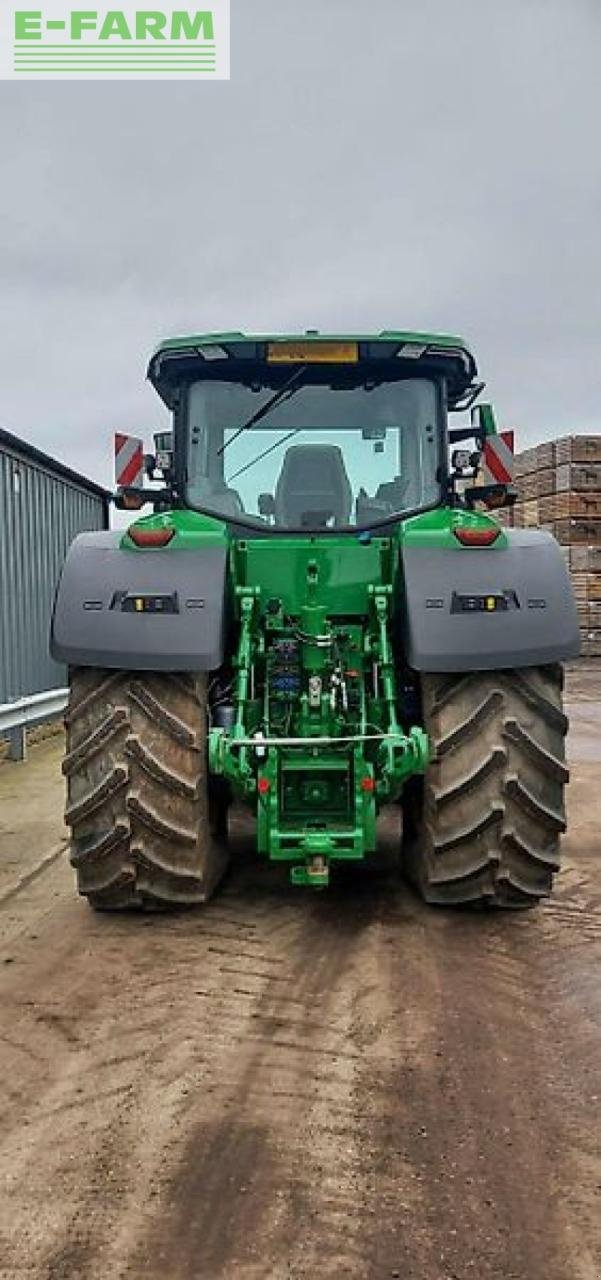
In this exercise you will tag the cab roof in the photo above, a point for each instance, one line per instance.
(180, 358)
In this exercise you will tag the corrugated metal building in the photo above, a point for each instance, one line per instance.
(43, 505)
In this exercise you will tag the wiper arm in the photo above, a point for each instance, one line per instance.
(262, 455)
(282, 393)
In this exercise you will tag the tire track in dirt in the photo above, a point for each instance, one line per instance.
(291, 1085)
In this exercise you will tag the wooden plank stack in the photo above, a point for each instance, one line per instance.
(559, 487)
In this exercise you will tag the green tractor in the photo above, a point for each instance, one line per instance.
(318, 619)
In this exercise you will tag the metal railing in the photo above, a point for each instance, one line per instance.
(17, 716)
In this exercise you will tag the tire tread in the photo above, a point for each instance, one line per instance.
(485, 825)
(137, 790)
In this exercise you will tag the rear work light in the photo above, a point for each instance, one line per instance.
(476, 537)
(150, 537)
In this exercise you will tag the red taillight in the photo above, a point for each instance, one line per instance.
(150, 537)
(263, 786)
(368, 784)
(476, 537)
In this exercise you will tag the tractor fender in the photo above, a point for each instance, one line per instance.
(98, 620)
(446, 624)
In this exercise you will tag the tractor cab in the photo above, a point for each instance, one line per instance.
(312, 435)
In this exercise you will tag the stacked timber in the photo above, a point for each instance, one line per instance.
(559, 488)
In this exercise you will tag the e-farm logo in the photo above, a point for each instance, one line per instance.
(170, 43)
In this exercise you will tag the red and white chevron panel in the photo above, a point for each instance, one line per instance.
(129, 460)
(498, 463)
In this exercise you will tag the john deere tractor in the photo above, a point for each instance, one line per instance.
(321, 617)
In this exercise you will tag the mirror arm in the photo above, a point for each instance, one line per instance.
(456, 434)
(466, 401)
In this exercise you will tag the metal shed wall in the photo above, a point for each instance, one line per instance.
(42, 507)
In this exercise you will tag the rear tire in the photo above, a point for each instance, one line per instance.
(484, 824)
(137, 793)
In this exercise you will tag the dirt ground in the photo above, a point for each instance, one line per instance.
(292, 1084)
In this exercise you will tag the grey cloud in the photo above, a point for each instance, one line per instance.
(431, 166)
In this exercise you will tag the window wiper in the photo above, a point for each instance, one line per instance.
(283, 393)
(262, 455)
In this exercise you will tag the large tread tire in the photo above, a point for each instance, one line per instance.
(484, 826)
(137, 791)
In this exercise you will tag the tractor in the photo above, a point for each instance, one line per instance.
(321, 616)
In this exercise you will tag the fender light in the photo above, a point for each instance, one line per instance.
(150, 537)
(476, 537)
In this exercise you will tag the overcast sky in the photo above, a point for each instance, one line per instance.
(427, 164)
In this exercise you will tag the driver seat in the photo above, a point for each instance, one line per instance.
(313, 487)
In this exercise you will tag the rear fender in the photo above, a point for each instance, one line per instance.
(95, 622)
(540, 624)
